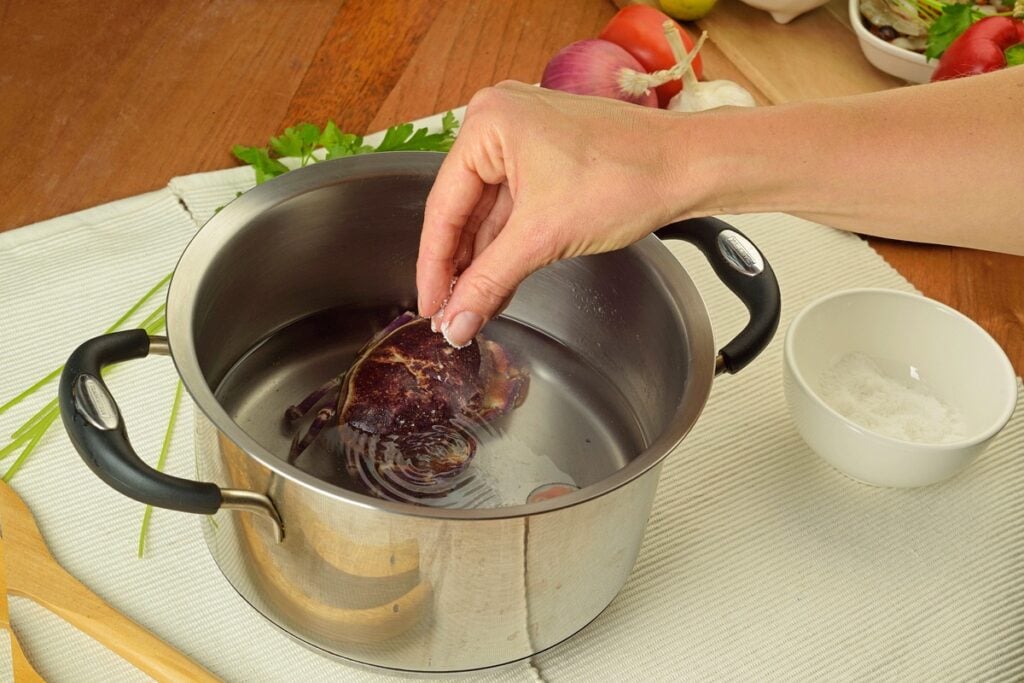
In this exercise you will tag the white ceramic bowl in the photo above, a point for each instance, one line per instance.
(919, 342)
(901, 63)
(785, 11)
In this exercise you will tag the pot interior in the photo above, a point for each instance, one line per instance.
(277, 293)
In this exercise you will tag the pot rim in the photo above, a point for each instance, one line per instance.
(209, 239)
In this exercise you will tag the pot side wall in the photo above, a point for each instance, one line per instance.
(416, 593)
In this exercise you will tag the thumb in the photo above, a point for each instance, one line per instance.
(484, 288)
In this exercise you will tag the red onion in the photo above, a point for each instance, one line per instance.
(602, 68)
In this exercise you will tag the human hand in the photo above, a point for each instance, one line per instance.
(536, 176)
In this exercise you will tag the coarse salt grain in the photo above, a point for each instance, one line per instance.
(857, 388)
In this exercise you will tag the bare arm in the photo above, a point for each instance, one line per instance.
(536, 176)
(939, 163)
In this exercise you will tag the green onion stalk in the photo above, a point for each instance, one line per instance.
(160, 465)
(27, 437)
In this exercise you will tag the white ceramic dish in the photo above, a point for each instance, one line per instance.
(901, 63)
(785, 11)
(909, 335)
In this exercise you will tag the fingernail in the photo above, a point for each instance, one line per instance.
(459, 332)
(435, 320)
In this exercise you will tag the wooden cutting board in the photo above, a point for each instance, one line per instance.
(814, 56)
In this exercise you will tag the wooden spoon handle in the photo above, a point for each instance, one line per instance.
(70, 599)
(23, 670)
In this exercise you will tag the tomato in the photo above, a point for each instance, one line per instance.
(638, 29)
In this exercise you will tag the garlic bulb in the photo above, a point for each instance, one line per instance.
(697, 95)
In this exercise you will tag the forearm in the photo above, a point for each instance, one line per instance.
(938, 163)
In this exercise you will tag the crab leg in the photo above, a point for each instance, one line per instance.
(299, 409)
(324, 417)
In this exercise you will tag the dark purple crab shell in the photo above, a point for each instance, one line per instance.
(403, 406)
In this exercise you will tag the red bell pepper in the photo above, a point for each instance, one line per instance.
(988, 45)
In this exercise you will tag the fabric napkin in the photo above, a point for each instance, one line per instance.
(760, 562)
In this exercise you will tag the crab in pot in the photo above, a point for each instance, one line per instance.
(399, 414)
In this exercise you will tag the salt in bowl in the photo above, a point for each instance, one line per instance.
(895, 389)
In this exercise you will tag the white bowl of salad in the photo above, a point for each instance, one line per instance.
(895, 41)
(905, 38)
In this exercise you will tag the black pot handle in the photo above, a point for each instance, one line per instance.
(743, 269)
(94, 424)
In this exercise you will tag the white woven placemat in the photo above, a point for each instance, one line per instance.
(760, 562)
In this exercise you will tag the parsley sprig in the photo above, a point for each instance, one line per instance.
(947, 27)
(306, 143)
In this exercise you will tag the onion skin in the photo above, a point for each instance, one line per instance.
(594, 67)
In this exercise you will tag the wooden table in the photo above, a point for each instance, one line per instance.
(100, 101)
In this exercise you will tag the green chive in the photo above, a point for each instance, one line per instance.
(138, 304)
(113, 328)
(157, 314)
(160, 465)
(31, 390)
(43, 428)
(34, 420)
(42, 424)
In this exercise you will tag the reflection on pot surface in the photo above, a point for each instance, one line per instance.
(366, 592)
(486, 452)
(402, 588)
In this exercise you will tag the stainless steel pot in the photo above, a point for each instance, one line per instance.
(385, 583)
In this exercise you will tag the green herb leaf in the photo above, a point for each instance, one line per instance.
(404, 138)
(304, 140)
(337, 144)
(331, 136)
(1015, 55)
(259, 158)
(348, 145)
(394, 137)
(449, 123)
(954, 20)
(298, 141)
